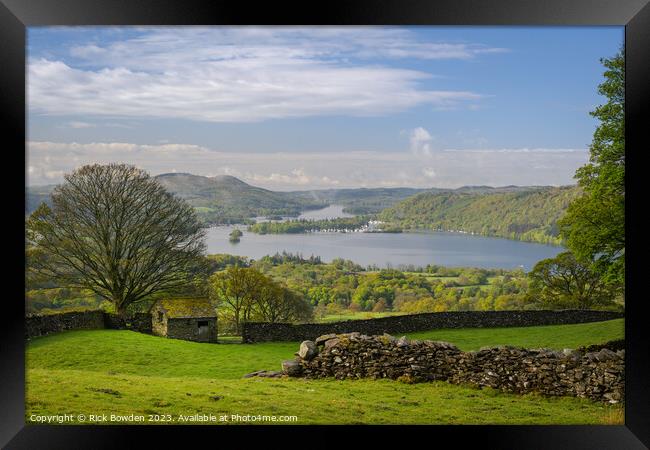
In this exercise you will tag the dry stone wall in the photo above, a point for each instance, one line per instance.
(266, 332)
(597, 375)
(140, 322)
(40, 325)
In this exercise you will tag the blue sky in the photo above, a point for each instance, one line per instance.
(295, 108)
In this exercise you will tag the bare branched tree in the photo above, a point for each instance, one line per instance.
(116, 231)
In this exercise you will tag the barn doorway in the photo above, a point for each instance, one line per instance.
(204, 329)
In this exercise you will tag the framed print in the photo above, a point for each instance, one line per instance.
(411, 217)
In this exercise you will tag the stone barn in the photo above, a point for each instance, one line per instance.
(189, 318)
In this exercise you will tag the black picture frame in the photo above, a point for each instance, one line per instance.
(16, 15)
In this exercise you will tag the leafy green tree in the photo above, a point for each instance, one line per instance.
(276, 303)
(244, 294)
(361, 297)
(565, 282)
(235, 290)
(594, 224)
(114, 230)
(319, 295)
(508, 302)
(221, 261)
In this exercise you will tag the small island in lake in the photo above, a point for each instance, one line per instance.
(235, 235)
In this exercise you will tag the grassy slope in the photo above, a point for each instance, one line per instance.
(123, 372)
(555, 336)
(313, 402)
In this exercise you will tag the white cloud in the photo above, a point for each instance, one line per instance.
(429, 172)
(77, 125)
(152, 48)
(295, 177)
(245, 74)
(48, 161)
(420, 140)
(87, 51)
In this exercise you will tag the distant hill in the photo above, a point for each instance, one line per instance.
(217, 200)
(360, 200)
(375, 200)
(523, 213)
(226, 199)
(502, 211)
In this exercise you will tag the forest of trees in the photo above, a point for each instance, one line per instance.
(289, 287)
(344, 286)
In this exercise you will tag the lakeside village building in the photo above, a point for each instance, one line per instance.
(372, 226)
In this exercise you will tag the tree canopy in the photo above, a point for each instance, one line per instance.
(564, 282)
(594, 224)
(244, 294)
(115, 231)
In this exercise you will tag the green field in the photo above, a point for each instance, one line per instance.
(123, 372)
(556, 337)
(362, 315)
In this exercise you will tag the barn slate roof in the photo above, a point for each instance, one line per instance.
(187, 307)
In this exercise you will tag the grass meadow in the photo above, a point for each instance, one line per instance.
(123, 372)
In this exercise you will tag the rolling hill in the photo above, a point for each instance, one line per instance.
(375, 200)
(361, 200)
(217, 200)
(515, 212)
(226, 199)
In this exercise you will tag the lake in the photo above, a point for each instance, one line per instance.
(385, 249)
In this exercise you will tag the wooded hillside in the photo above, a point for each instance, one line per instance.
(529, 215)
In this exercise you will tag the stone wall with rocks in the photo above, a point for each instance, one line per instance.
(140, 322)
(265, 332)
(598, 375)
(40, 325)
(615, 345)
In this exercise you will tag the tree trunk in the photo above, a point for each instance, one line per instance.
(120, 309)
(237, 324)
